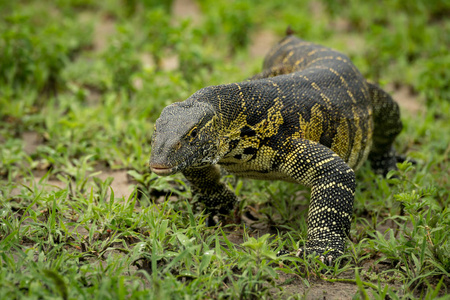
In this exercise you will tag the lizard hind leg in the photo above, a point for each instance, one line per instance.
(387, 125)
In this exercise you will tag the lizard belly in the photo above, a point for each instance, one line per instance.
(249, 170)
(259, 165)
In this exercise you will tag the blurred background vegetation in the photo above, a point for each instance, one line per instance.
(86, 80)
(84, 49)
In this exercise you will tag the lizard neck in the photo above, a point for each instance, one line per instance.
(244, 111)
(239, 104)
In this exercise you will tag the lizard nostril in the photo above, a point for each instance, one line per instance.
(177, 146)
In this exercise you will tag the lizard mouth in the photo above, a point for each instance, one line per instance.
(162, 170)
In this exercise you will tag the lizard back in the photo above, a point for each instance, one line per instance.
(306, 91)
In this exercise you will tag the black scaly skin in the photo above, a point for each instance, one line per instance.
(309, 117)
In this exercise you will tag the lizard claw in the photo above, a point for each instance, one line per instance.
(327, 260)
(330, 260)
(212, 220)
(282, 252)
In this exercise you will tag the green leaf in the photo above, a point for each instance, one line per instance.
(206, 259)
(184, 240)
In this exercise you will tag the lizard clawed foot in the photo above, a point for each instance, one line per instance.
(212, 220)
(327, 257)
(222, 217)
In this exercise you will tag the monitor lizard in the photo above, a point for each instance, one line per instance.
(309, 117)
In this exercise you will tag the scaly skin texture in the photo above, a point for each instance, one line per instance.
(309, 117)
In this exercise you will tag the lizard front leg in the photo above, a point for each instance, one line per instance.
(215, 195)
(332, 184)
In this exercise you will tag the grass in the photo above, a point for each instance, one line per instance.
(87, 80)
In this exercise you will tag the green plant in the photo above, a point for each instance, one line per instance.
(66, 233)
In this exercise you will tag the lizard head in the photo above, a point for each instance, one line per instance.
(185, 136)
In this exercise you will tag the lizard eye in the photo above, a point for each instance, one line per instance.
(194, 132)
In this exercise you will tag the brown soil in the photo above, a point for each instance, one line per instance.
(262, 41)
(103, 31)
(32, 141)
(186, 9)
(407, 100)
(121, 185)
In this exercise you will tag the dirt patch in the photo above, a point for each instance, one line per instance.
(121, 184)
(47, 184)
(186, 9)
(328, 290)
(317, 9)
(103, 30)
(341, 25)
(262, 42)
(406, 98)
(146, 60)
(317, 287)
(354, 43)
(31, 141)
(170, 63)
